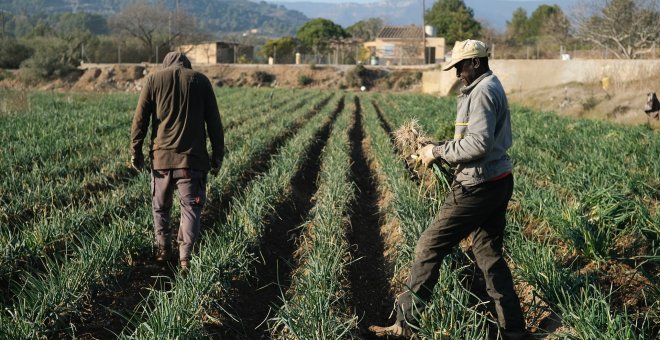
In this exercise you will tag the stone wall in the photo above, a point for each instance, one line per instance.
(519, 75)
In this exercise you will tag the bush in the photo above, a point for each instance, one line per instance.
(304, 80)
(261, 77)
(13, 53)
(48, 62)
(357, 76)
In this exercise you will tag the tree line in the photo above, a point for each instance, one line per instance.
(143, 31)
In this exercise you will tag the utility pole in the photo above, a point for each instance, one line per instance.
(2, 15)
(424, 31)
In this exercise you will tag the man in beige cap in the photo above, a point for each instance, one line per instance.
(478, 201)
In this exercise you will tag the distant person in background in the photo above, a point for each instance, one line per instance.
(652, 107)
(181, 106)
(477, 203)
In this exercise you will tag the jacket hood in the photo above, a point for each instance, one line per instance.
(176, 59)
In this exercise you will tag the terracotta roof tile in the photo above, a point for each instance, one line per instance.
(400, 32)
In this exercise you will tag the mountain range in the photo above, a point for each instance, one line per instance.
(214, 16)
(406, 12)
(284, 17)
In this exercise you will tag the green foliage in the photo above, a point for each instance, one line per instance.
(304, 80)
(357, 76)
(282, 49)
(367, 29)
(68, 23)
(453, 20)
(316, 34)
(262, 77)
(518, 28)
(12, 53)
(547, 24)
(50, 60)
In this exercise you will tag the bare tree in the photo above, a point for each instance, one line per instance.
(157, 27)
(628, 28)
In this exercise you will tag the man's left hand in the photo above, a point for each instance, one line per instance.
(426, 154)
(137, 162)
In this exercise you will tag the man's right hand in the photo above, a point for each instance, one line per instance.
(216, 164)
(137, 163)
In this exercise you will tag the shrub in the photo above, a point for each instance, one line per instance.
(13, 53)
(406, 81)
(357, 76)
(304, 80)
(49, 61)
(261, 77)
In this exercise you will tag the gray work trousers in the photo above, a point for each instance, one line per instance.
(480, 209)
(191, 185)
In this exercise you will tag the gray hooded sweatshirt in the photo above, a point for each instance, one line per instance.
(482, 134)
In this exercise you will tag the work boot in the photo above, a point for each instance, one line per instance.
(185, 265)
(395, 331)
(163, 255)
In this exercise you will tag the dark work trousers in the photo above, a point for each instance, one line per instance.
(191, 185)
(480, 209)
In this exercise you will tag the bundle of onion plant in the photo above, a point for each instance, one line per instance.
(435, 179)
(409, 140)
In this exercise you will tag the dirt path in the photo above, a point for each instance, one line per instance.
(254, 299)
(370, 271)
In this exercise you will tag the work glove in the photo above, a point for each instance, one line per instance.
(425, 154)
(137, 162)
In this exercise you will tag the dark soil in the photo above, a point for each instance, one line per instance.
(254, 298)
(369, 272)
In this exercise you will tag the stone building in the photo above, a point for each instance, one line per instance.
(406, 45)
(218, 52)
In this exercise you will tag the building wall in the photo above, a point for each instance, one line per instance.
(517, 75)
(201, 54)
(391, 50)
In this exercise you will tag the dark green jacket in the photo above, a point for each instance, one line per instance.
(181, 106)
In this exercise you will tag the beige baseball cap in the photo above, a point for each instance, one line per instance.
(466, 49)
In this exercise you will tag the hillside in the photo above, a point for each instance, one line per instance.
(214, 16)
(406, 12)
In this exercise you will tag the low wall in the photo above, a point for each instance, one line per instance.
(518, 75)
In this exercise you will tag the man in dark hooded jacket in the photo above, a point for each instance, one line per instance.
(181, 106)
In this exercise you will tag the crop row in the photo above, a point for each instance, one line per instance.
(451, 311)
(316, 305)
(45, 301)
(61, 229)
(227, 249)
(587, 186)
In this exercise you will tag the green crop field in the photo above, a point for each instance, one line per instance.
(311, 224)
